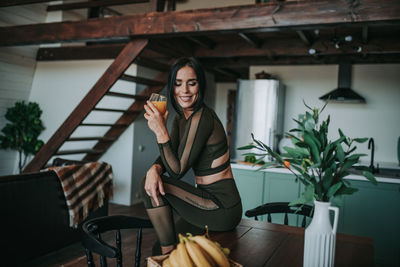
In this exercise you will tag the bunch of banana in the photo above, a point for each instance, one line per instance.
(197, 251)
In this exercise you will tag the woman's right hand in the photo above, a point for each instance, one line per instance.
(154, 185)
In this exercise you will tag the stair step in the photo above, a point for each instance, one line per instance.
(90, 138)
(104, 124)
(137, 97)
(141, 80)
(78, 151)
(116, 110)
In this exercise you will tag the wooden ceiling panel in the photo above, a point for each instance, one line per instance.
(252, 18)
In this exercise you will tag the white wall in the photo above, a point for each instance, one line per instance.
(17, 66)
(378, 118)
(59, 86)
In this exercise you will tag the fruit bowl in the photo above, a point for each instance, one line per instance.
(156, 261)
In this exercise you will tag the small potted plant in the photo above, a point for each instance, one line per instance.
(321, 166)
(23, 130)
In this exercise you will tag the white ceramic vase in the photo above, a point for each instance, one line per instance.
(320, 237)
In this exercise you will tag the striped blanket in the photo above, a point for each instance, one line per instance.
(85, 188)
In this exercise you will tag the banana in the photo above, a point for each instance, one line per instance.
(226, 251)
(211, 248)
(208, 257)
(166, 263)
(182, 253)
(196, 254)
(173, 259)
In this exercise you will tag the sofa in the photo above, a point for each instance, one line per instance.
(34, 217)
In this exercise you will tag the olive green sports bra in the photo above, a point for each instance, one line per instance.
(198, 142)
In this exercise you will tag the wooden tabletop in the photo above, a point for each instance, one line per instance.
(255, 243)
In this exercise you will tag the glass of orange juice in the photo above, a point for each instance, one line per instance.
(159, 101)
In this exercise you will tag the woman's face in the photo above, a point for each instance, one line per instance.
(186, 91)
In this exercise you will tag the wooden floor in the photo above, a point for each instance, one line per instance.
(74, 255)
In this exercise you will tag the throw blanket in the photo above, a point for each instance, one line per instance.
(85, 188)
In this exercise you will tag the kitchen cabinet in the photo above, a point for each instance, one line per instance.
(280, 187)
(373, 211)
(251, 186)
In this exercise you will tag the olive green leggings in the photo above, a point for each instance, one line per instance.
(217, 205)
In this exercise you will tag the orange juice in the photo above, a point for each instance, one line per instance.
(160, 105)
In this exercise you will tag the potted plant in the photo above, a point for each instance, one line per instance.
(23, 130)
(321, 166)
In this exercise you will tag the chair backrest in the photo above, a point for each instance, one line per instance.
(93, 242)
(281, 207)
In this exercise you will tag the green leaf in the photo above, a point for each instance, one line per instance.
(313, 147)
(309, 124)
(268, 164)
(309, 193)
(333, 189)
(348, 164)
(356, 156)
(360, 140)
(345, 190)
(300, 201)
(254, 154)
(370, 177)
(246, 147)
(304, 102)
(337, 200)
(340, 132)
(351, 150)
(327, 179)
(339, 152)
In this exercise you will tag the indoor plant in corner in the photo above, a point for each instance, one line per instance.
(321, 165)
(22, 131)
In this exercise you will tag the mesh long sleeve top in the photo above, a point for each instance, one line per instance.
(198, 142)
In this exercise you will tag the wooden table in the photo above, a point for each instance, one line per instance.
(255, 243)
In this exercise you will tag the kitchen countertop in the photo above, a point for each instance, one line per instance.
(249, 166)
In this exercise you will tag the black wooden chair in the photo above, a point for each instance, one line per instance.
(93, 242)
(281, 207)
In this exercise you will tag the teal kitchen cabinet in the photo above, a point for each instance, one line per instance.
(250, 185)
(374, 211)
(281, 187)
(257, 188)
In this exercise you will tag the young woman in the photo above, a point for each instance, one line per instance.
(197, 140)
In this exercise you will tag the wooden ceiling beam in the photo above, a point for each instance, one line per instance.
(244, 62)
(88, 52)
(91, 4)
(252, 40)
(202, 41)
(305, 37)
(21, 2)
(293, 14)
(364, 34)
(273, 49)
(292, 47)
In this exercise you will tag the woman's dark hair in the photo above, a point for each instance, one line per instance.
(201, 79)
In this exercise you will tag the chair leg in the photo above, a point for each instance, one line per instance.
(89, 258)
(103, 261)
(138, 247)
(119, 247)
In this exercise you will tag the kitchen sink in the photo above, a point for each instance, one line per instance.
(380, 172)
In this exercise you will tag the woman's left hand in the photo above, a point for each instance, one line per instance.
(157, 122)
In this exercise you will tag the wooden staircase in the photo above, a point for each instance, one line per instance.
(89, 103)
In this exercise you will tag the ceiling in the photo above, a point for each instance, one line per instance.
(229, 40)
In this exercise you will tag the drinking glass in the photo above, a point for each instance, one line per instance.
(159, 101)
